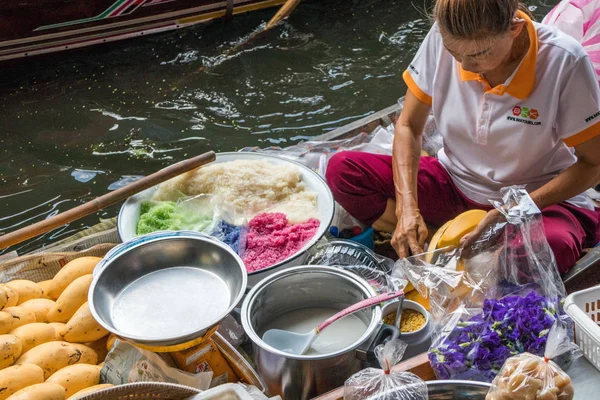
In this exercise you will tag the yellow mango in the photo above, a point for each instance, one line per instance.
(76, 377)
(12, 296)
(110, 342)
(40, 307)
(27, 289)
(10, 350)
(6, 322)
(71, 299)
(52, 356)
(40, 391)
(47, 287)
(17, 377)
(72, 270)
(32, 335)
(82, 327)
(99, 346)
(59, 328)
(20, 316)
(3, 297)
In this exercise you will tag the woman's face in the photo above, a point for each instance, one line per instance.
(485, 54)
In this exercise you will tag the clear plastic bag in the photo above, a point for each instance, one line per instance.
(385, 384)
(193, 213)
(530, 377)
(359, 259)
(494, 300)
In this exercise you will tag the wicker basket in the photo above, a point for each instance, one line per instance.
(143, 390)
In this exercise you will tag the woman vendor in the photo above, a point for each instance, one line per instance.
(517, 103)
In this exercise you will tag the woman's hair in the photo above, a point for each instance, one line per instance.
(473, 19)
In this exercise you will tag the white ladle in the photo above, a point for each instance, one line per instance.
(299, 343)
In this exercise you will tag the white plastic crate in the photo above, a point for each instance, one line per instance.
(584, 308)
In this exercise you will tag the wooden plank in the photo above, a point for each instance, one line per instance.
(418, 365)
(366, 124)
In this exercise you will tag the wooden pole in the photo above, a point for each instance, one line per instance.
(286, 9)
(106, 200)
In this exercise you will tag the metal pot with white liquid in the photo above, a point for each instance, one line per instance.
(298, 299)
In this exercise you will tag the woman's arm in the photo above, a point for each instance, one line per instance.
(411, 230)
(578, 178)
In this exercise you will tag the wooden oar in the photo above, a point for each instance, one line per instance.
(286, 9)
(103, 201)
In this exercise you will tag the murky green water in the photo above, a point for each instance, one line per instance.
(77, 125)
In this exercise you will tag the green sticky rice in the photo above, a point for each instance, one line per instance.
(169, 215)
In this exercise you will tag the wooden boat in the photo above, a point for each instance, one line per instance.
(33, 27)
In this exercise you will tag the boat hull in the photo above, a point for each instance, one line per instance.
(34, 27)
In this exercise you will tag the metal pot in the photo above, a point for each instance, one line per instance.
(303, 377)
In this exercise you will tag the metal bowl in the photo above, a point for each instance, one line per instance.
(130, 210)
(166, 288)
(445, 390)
(392, 307)
(457, 390)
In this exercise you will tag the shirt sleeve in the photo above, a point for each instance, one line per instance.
(578, 117)
(421, 71)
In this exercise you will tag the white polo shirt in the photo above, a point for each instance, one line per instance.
(516, 133)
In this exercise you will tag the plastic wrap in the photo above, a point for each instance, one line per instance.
(193, 213)
(385, 384)
(530, 377)
(126, 363)
(359, 259)
(494, 300)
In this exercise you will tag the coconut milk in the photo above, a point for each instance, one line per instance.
(335, 337)
(170, 302)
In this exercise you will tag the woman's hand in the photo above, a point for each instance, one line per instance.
(493, 217)
(411, 233)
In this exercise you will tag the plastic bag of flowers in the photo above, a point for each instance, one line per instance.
(530, 377)
(495, 300)
(385, 384)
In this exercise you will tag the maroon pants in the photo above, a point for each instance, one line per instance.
(363, 182)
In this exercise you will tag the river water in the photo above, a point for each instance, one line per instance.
(79, 124)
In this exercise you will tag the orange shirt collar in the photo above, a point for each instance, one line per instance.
(524, 79)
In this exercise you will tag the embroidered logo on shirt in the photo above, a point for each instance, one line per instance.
(527, 115)
(413, 69)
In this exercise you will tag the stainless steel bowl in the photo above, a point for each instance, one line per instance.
(166, 288)
(130, 210)
(445, 390)
(457, 390)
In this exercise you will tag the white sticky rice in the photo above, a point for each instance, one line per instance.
(247, 188)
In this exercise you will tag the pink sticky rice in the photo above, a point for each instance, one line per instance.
(271, 238)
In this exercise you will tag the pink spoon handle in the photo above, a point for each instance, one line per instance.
(359, 306)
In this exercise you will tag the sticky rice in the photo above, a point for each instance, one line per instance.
(249, 187)
(272, 238)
